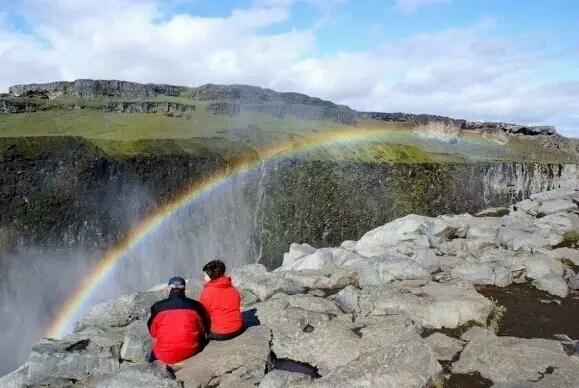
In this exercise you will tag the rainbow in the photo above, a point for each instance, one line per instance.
(67, 315)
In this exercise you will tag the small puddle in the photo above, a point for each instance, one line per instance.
(470, 380)
(294, 366)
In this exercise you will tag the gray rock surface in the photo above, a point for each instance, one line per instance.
(263, 286)
(137, 342)
(251, 349)
(141, 376)
(355, 313)
(284, 379)
(73, 360)
(408, 363)
(443, 346)
(434, 305)
(507, 359)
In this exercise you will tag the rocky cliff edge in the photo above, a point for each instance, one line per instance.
(400, 307)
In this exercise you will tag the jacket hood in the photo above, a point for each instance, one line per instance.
(222, 282)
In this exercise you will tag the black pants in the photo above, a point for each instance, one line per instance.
(152, 357)
(224, 337)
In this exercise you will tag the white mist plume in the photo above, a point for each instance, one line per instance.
(35, 284)
(32, 284)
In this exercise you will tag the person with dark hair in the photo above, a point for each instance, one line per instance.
(222, 301)
(177, 324)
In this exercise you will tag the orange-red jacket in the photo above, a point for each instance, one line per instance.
(177, 327)
(222, 302)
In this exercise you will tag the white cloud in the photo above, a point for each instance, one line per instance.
(456, 72)
(413, 5)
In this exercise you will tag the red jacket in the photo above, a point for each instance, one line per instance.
(222, 302)
(176, 325)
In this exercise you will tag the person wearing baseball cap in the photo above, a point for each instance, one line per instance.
(177, 324)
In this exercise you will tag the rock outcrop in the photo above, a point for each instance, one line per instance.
(423, 119)
(371, 312)
(92, 89)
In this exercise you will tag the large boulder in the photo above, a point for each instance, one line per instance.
(434, 305)
(406, 230)
(483, 273)
(554, 285)
(385, 269)
(126, 309)
(297, 251)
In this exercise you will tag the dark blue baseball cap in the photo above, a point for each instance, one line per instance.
(177, 281)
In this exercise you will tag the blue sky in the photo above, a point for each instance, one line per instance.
(476, 59)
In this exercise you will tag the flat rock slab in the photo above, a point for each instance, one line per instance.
(143, 375)
(283, 379)
(334, 279)
(409, 363)
(556, 206)
(302, 331)
(75, 360)
(433, 305)
(247, 376)
(222, 357)
(512, 359)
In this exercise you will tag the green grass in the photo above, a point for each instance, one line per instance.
(570, 239)
(130, 126)
(199, 132)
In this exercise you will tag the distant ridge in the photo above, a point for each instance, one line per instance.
(238, 99)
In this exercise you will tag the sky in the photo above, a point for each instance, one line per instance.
(493, 60)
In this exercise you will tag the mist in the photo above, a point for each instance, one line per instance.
(35, 283)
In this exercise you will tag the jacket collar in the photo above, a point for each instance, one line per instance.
(176, 294)
(222, 282)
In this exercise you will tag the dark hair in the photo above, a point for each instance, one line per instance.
(214, 269)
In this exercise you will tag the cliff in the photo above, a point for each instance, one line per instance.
(232, 100)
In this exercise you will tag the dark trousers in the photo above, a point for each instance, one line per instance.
(152, 357)
(224, 337)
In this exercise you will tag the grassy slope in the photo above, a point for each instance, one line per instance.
(202, 133)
